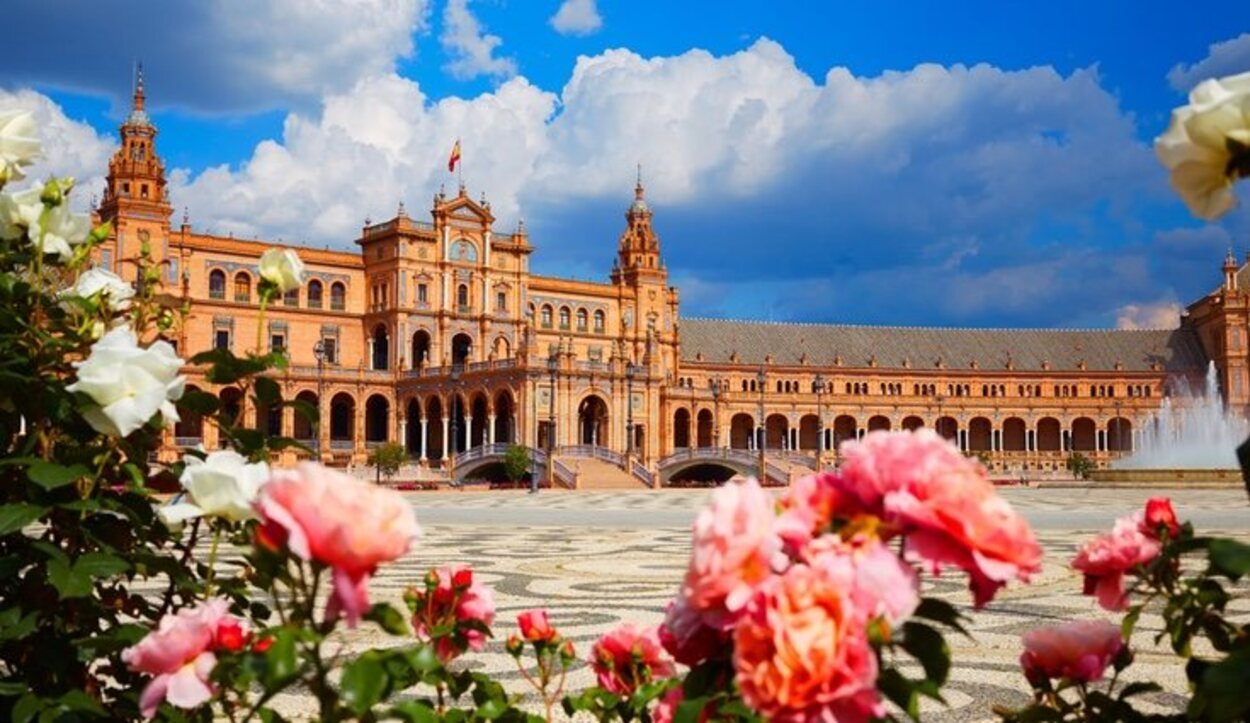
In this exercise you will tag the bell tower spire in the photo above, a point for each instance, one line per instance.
(638, 254)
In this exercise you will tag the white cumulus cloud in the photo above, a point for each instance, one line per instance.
(471, 48)
(577, 17)
(1228, 57)
(1157, 315)
(70, 147)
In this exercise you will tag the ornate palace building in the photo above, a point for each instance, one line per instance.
(436, 335)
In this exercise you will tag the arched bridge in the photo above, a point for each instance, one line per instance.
(474, 459)
(732, 461)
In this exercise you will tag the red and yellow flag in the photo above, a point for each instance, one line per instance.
(455, 157)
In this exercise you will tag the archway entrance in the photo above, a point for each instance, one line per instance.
(461, 348)
(342, 418)
(420, 349)
(741, 427)
(681, 428)
(705, 432)
(504, 430)
(377, 411)
(381, 348)
(592, 421)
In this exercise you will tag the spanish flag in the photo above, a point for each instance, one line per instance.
(455, 157)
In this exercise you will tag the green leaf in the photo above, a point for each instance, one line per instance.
(413, 711)
(364, 682)
(198, 402)
(690, 710)
(899, 691)
(9, 688)
(79, 702)
(280, 660)
(940, 611)
(1230, 557)
(26, 708)
(1223, 688)
(267, 392)
(390, 619)
(51, 476)
(101, 564)
(14, 628)
(15, 516)
(1130, 622)
(929, 647)
(70, 582)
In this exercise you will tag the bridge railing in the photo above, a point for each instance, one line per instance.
(746, 457)
(538, 459)
(594, 452)
(639, 470)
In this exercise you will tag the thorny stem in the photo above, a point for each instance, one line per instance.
(212, 563)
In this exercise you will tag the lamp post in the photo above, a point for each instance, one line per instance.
(717, 390)
(455, 428)
(762, 379)
(319, 351)
(630, 371)
(552, 367)
(818, 386)
(1119, 430)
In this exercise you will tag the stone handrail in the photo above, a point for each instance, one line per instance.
(594, 452)
(640, 471)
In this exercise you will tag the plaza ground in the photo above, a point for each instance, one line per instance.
(599, 559)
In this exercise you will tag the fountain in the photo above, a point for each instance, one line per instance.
(1191, 438)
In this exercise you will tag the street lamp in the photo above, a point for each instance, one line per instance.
(761, 379)
(552, 368)
(718, 388)
(818, 386)
(630, 371)
(455, 427)
(319, 352)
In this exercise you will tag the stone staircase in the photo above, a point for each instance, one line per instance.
(595, 474)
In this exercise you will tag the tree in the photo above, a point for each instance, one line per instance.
(1079, 465)
(516, 462)
(387, 458)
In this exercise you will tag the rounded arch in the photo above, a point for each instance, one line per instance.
(980, 435)
(338, 296)
(546, 316)
(844, 427)
(704, 474)
(461, 348)
(217, 284)
(912, 423)
(809, 432)
(377, 418)
(777, 432)
(566, 316)
(1084, 435)
(420, 349)
(1014, 435)
(304, 427)
(315, 292)
(599, 321)
(741, 428)
(704, 428)
(1049, 438)
(592, 420)
(231, 401)
(583, 320)
(381, 347)
(190, 425)
(502, 348)
(947, 428)
(878, 422)
(412, 430)
(480, 409)
(242, 286)
(434, 427)
(342, 417)
(457, 413)
(1120, 435)
(505, 424)
(462, 297)
(681, 428)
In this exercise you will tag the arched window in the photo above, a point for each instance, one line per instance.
(582, 317)
(338, 296)
(564, 317)
(314, 294)
(217, 284)
(599, 319)
(242, 287)
(291, 298)
(462, 297)
(546, 316)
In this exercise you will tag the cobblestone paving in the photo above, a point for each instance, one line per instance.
(594, 576)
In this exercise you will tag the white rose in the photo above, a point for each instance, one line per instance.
(129, 384)
(1207, 145)
(222, 485)
(19, 212)
(282, 268)
(113, 290)
(19, 143)
(62, 229)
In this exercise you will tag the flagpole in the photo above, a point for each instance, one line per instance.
(460, 166)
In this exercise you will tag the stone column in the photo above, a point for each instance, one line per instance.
(371, 352)
(403, 432)
(490, 429)
(468, 431)
(424, 432)
(444, 455)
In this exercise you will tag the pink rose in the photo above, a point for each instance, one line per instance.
(1106, 558)
(811, 504)
(627, 657)
(179, 653)
(535, 626)
(687, 637)
(801, 652)
(458, 599)
(1159, 514)
(945, 506)
(735, 549)
(1078, 651)
(342, 522)
(882, 585)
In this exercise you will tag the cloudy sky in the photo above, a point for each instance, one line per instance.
(954, 164)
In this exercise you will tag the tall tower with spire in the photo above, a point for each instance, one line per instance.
(135, 198)
(649, 304)
(638, 254)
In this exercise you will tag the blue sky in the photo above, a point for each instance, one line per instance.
(955, 164)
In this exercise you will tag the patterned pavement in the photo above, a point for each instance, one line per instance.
(547, 550)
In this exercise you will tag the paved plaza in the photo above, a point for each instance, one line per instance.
(597, 559)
